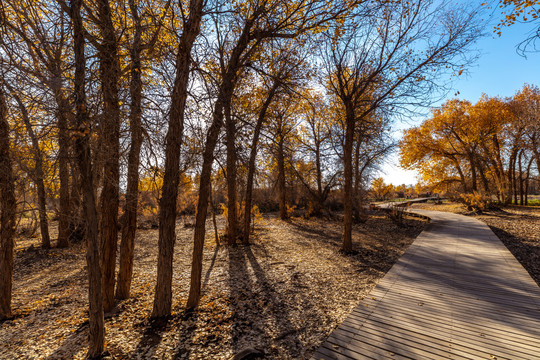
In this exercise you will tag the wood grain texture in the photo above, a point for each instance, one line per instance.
(457, 293)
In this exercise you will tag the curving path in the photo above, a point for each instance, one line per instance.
(456, 293)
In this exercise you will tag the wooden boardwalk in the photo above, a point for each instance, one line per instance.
(457, 293)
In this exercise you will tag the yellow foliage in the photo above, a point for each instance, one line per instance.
(475, 201)
(290, 209)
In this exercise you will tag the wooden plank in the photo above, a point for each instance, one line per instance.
(442, 337)
(456, 293)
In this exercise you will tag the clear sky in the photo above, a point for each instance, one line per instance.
(499, 71)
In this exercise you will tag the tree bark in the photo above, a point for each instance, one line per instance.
(38, 176)
(252, 158)
(347, 174)
(129, 225)
(224, 96)
(356, 188)
(167, 205)
(8, 207)
(82, 147)
(65, 210)
(281, 176)
(520, 168)
(109, 201)
(527, 180)
(232, 217)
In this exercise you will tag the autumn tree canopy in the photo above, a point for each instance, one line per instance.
(489, 147)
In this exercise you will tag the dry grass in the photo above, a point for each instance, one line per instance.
(283, 294)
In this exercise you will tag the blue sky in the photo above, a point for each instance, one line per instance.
(499, 71)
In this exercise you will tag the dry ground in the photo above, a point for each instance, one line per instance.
(283, 294)
(518, 227)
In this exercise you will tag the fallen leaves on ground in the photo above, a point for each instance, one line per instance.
(283, 294)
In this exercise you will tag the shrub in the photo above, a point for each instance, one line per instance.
(475, 201)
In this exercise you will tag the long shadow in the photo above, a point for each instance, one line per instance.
(73, 344)
(363, 257)
(209, 271)
(526, 253)
(259, 295)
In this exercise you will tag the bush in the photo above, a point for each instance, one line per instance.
(476, 201)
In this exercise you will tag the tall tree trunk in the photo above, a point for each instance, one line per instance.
(482, 173)
(281, 178)
(82, 147)
(8, 207)
(461, 176)
(129, 225)
(474, 181)
(527, 179)
(38, 176)
(202, 205)
(520, 160)
(356, 188)
(109, 201)
(252, 158)
(347, 174)
(224, 96)
(514, 179)
(64, 215)
(167, 204)
(77, 224)
(214, 222)
(232, 218)
(510, 177)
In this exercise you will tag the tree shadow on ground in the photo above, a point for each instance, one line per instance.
(252, 291)
(73, 344)
(527, 253)
(380, 255)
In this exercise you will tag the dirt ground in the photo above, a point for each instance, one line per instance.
(282, 295)
(518, 227)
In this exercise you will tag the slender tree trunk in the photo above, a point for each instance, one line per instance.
(232, 218)
(202, 205)
(282, 195)
(474, 184)
(347, 174)
(514, 181)
(536, 149)
(38, 176)
(109, 201)
(484, 179)
(82, 147)
(214, 222)
(356, 204)
(225, 94)
(224, 97)
(461, 176)
(63, 113)
(252, 158)
(520, 168)
(8, 207)
(510, 178)
(167, 205)
(77, 224)
(129, 225)
(527, 179)
(64, 215)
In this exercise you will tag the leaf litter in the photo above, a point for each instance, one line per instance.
(281, 296)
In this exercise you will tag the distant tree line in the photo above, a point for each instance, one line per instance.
(491, 148)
